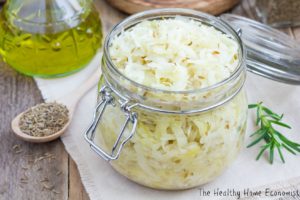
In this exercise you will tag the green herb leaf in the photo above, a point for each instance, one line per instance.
(280, 153)
(280, 124)
(262, 151)
(288, 149)
(256, 141)
(271, 153)
(258, 119)
(265, 119)
(252, 106)
(258, 132)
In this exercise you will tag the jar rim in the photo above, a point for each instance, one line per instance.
(155, 13)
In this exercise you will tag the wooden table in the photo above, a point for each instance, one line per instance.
(42, 171)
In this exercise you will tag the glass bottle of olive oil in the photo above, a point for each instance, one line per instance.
(49, 38)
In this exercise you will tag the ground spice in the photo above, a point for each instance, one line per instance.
(17, 149)
(279, 12)
(44, 119)
(33, 160)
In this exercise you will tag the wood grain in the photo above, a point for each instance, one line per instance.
(209, 6)
(76, 189)
(24, 165)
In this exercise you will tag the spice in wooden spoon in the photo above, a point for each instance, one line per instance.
(48, 121)
(44, 119)
(42, 123)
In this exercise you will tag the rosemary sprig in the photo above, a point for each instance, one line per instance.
(266, 119)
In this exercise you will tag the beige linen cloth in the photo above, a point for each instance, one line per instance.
(103, 183)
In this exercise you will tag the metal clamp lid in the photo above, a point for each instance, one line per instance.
(108, 99)
(270, 53)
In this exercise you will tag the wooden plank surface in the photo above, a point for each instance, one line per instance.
(76, 189)
(45, 171)
(28, 171)
(36, 171)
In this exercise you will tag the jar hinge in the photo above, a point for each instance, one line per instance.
(108, 99)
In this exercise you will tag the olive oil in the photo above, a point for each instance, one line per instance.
(55, 49)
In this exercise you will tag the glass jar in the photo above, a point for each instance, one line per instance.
(49, 38)
(165, 139)
(277, 13)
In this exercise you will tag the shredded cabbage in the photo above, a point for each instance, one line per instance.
(174, 54)
(176, 151)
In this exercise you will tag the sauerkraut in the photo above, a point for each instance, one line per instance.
(174, 54)
(176, 151)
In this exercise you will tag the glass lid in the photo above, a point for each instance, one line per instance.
(270, 53)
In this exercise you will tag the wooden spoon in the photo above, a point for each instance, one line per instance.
(70, 100)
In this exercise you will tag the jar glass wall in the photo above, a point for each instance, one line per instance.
(183, 138)
(177, 151)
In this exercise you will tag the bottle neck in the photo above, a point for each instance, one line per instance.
(40, 16)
